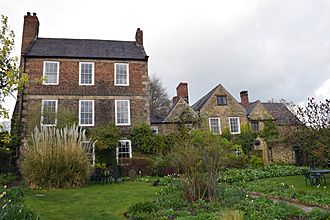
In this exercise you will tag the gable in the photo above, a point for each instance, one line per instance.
(233, 107)
(181, 111)
(259, 112)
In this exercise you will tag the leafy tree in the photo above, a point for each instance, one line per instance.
(159, 101)
(270, 131)
(10, 80)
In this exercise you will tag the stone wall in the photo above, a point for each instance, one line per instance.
(281, 152)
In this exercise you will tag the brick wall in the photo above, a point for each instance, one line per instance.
(103, 92)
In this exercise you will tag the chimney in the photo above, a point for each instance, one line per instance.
(139, 37)
(244, 98)
(175, 99)
(30, 30)
(182, 91)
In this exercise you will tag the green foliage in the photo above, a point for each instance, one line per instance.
(54, 158)
(142, 139)
(5, 159)
(6, 178)
(270, 131)
(15, 132)
(141, 165)
(256, 161)
(142, 210)
(247, 175)
(10, 81)
(12, 206)
(245, 138)
(106, 136)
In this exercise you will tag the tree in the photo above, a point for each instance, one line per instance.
(10, 81)
(159, 101)
(315, 115)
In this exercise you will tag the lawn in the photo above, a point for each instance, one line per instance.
(292, 187)
(108, 201)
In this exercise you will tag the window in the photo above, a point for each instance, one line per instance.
(48, 112)
(86, 73)
(51, 73)
(222, 100)
(124, 149)
(121, 74)
(86, 112)
(234, 125)
(154, 129)
(215, 125)
(255, 126)
(122, 112)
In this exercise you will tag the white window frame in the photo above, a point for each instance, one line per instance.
(130, 148)
(219, 123)
(115, 77)
(238, 124)
(93, 112)
(86, 84)
(154, 129)
(42, 112)
(58, 73)
(129, 113)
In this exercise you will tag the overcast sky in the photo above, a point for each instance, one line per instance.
(272, 48)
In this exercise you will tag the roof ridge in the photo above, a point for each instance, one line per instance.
(49, 38)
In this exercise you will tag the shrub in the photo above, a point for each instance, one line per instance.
(256, 161)
(5, 160)
(54, 158)
(164, 168)
(6, 178)
(141, 165)
(142, 139)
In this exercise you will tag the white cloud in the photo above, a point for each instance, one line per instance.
(324, 91)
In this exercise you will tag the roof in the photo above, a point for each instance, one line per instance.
(86, 48)
(155, 119)
(200, 103)
(282, 114)
(250, 107)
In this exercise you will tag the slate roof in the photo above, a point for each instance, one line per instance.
(282, 114)
(156, 119)
(250, 107)
(200, 103)
(85, 48)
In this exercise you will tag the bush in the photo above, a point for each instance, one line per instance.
(54, 158)
(5, 160)
(142, 139)
(6, 178)
(140, 165)
(164, 168)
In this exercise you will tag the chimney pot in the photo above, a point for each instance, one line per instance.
(244, 98)
(30, 30)
(34, 14)
(28, 13)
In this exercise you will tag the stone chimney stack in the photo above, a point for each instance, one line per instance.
(30, 30)
(182, 91)
(139, 37)
(244, 98)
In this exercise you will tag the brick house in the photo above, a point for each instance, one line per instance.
(98, 81)
(220, 111)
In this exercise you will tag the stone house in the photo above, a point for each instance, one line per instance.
(98, 81)
(219, 111)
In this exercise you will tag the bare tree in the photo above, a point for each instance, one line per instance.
(159, 101)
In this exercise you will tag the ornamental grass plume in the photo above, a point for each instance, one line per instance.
(55, 158)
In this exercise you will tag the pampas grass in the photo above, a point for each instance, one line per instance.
(54, 158)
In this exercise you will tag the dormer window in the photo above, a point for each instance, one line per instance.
(51, 73)
(222, 100)
(121, 74)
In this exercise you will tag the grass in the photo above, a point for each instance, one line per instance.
(293, 188)
(298, 182)
(108, 201)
